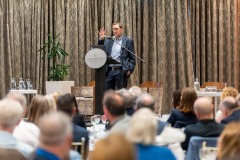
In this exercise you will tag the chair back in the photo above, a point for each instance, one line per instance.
(79, 146)
(195, 145)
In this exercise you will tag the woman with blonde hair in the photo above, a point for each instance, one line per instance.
(229, 142)
(142, 132)
(38, 107)
(184, 113)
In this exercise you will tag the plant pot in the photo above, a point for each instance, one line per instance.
(62, 87)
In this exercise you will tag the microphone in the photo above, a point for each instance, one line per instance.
(114, 39)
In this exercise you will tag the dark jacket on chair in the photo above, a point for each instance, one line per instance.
(203, 128)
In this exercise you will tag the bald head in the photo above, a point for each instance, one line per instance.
(203, 107)
(145, 101)
(54, 128)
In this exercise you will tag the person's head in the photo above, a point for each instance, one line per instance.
(10, 114)
(56, 133)
(145, 101)
(203, 108)
(11, 154)
(56, 95)
(114, 146)
(67, 104)
(113, 105)
(176, 98)
(228, 105)
(229, 142)
(135, 91)
(38, 107)
(229, 92)
(127, 96)
(188, 97)
(143, 127)
(117, 29)
(20, 98)
(51, 102)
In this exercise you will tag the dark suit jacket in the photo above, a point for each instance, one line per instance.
(177, 115)
(203, 128)
(235, 116)
(127, 59)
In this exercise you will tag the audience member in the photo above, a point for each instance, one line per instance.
(113, 147)
(185, 113)
(38, 108)
(230, 110)
(229, 142)
(226, 92)
(67, 104)
(10, 154)
(10, 115)
(128, 101)
(55, 137)
(142, 133)
(51, 102)
(78, 117)
(113, 107)
(147, 101)
(25, 131)
(135, 91)
(206, 125)
(176, 98)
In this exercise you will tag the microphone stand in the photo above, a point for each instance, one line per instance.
(126, 49)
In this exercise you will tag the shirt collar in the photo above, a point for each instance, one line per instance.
(43, 153)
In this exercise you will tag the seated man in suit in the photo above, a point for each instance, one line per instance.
(230, 110)
(147, 101)
(114, 109)
(206, 125)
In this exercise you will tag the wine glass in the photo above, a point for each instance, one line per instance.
(104, 119)
(97, 119)
(93, 120)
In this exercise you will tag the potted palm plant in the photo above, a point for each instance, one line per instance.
(58, 69)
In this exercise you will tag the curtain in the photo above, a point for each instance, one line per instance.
(164, 32)
(215, 40)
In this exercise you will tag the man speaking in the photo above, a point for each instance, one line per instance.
(121, 49)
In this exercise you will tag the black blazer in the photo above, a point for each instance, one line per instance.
(203, 128)
(127, 59)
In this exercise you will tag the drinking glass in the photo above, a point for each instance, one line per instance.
(93, 120)
(97, 119)
(104, 119)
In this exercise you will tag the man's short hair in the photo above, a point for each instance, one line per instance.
(145, 101)
(118, 23)
(66, 103)
(229, 103)
(114, 103)
(10, 112)
(135, 91)
(54, 127)
(127, 96)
